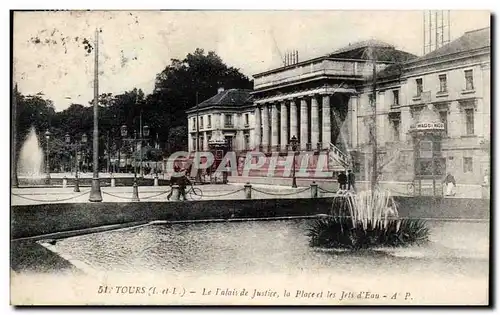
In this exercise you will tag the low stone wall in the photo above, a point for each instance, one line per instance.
(34, 220)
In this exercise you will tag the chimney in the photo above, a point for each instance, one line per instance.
(220, 90)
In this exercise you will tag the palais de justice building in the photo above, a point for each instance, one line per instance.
(326, 102)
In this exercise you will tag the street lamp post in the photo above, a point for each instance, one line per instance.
(135, 141)
(77, 146)
(293, 142)
(67, 141)
(47, 165)
(95, 191)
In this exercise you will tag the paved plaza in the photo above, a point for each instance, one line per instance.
(262, 188)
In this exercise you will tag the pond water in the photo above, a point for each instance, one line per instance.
(275, 247)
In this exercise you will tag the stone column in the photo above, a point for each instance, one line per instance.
(304, 124)
(382, 119)
(205, 141)
(265, 127)
(294, 121)
(406, 121)
(256, 130)
(190, 142)
(326, 124)
(274, 126)
(284, 126)
(314, 122)
(239, 145)
(353, 106)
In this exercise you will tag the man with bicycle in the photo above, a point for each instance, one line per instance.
(183, 182)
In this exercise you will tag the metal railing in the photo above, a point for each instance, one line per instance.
(338, 155)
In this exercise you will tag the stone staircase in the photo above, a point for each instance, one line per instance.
(338, 161)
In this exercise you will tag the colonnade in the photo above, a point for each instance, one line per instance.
(298, 117)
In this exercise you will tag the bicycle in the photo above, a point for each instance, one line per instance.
(194, 193)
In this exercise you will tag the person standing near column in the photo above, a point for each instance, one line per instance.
(450, 184)
(350, 180)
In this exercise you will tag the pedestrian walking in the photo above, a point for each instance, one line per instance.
(450, 184)
(342, 180)
(351, 181)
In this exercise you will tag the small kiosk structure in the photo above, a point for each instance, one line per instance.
(430, 166)
(218, 147)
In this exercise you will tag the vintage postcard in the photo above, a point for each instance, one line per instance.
(250, 158)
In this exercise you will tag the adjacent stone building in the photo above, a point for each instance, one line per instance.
(455, 81)
(327, 103)
(227, 115)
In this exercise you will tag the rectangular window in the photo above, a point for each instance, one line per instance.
(194, 143)
(444, 119)
(247, 142)
(228, 120)
(202, 141)
(193, 125)
(201, 122)
(425, 149)
(209, 123)
(443, 84)
(246, 120)
(469, 121)
(370, 99)
(469, 80)
(420, 86)
(395, 97)
(395, 128)
(468, 165)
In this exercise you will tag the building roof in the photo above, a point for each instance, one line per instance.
(363, 50)
(470, 40)
(231, 97)
(362, 44)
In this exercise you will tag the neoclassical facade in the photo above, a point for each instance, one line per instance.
(317, 100)
(327, 104)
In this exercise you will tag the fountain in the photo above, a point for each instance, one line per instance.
(31, 158)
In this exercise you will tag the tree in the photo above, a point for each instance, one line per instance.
(176, 87)
(164, 110)
(177, 139)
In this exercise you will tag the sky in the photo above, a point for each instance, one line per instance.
(134, 46)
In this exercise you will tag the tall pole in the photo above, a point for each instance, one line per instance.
(425, 43)
(373, 130)
(135, 154)
(14, 179)
(109, 155)
(198, 179)
(197, 125)
(95, 191)
(118, 170)
(77, 187)
(140, 147)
